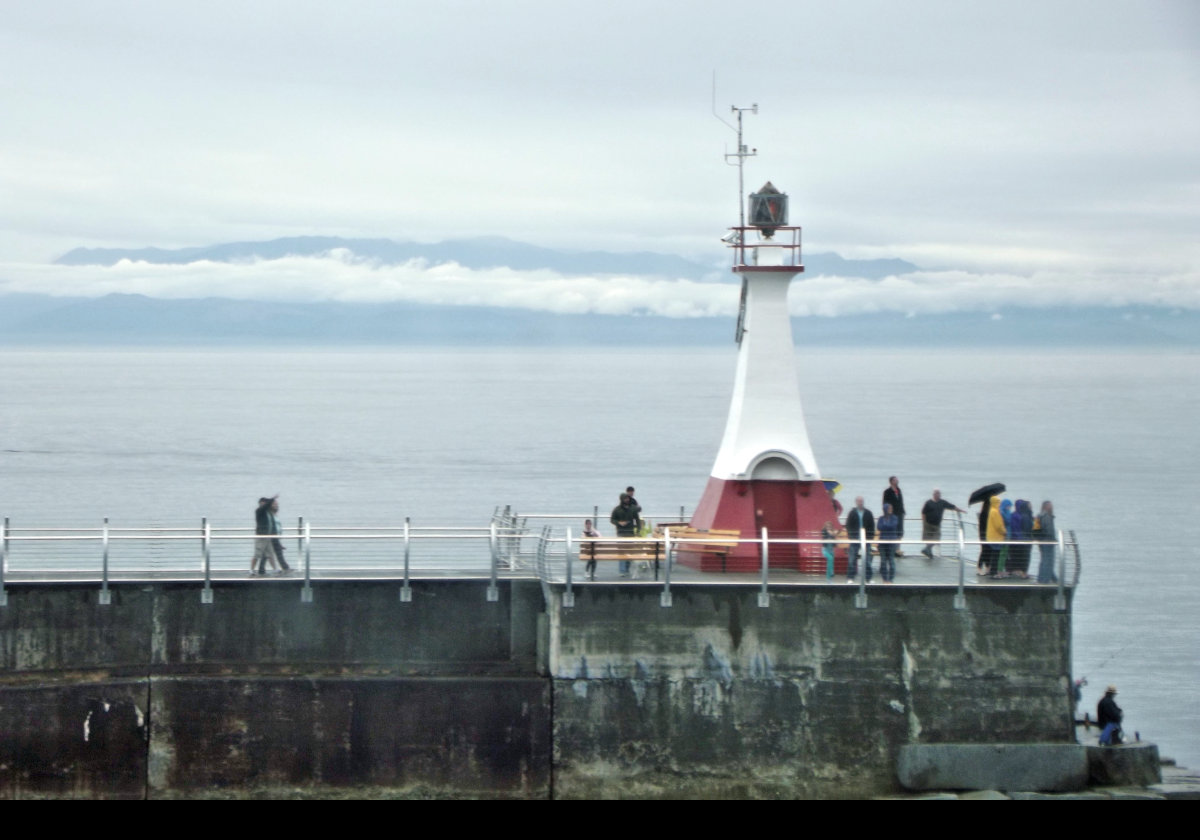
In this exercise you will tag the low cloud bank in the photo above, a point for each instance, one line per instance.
(341, 276)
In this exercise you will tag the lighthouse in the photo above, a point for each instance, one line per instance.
(765, 474)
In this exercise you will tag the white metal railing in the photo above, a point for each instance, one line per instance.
(506, 546)
(560, 562)
(123, 553)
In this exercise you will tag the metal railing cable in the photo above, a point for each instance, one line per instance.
(558, 563)
(215, 552)
(504, 547)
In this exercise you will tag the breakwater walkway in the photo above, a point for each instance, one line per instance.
(144, 664)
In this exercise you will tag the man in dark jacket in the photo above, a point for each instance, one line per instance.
(892, 496)
(625, 519)
(1108, 718)
(859, 521)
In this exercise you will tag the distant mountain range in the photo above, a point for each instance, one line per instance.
(477, 253)
(136, 320)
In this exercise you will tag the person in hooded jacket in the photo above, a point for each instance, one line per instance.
(1006, 511)
(1001, 567)
(1020, 529)
(996, 533)
(1047, 534)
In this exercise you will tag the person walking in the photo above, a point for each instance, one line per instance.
(266, 528)
(590, 532)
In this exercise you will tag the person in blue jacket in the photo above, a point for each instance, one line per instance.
(1020, 529)
(889, 529)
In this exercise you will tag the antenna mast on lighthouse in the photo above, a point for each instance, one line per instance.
(738, 157)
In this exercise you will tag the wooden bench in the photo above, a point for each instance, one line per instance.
(629, 549)
(717, 541)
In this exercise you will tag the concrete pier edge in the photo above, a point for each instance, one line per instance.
(358, 694)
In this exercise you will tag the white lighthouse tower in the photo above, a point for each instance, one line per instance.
(765, 474)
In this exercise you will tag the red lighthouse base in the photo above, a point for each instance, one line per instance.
(787, 509)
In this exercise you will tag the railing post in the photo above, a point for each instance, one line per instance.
(406, 590)
(493, 591)
(960, 597)
(300, 534)
(569, 593)
(664, 599)
(508, 547)
(206, 594)
(105, 595)
(1060, 597)
(764, 598)
(306, 592)
(539, 564)
(3, 562)
(860, 597)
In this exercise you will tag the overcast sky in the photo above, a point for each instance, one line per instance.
(1012, 145)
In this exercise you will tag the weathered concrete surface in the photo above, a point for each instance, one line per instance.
(73, 739)
(355, 737)
(1006, 767)
(358, 694)
(57, 628)
(1136, 765)
(449, 627)
(257, 694)
(810, 697)
(1178, 782)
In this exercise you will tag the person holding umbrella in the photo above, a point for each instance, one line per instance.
(987, 552)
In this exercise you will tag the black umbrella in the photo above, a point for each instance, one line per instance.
(986, 492)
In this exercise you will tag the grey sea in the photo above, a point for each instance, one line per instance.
(164, 437)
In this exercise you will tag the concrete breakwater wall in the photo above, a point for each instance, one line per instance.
(358, 694)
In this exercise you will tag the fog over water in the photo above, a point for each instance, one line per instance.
(366, 437)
